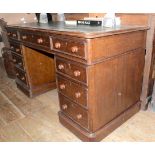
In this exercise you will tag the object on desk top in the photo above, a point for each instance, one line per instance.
(93, 18)
(43, 18)
(110, 20)
(61, 17)
(89, 22)
(70, 22)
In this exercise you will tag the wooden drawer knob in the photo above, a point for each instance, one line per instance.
(23, 78)
(12, 47)
(17, 74)
(61, 66)
(40, 40)
(77, 94)
(79, 116)
(20, 64)
(119, 94)
(64, 107)
(17, 49)
(77, 73)
(62, 86)
(24, 37)
(57, 45)
(14, 60)
(14, 35)
(74, 49)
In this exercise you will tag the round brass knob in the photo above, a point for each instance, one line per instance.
(40, 40)
(14, 60)
(19, 63)
(62, 86)
(64, 107)
(17, 49)
(77, 94)
(14, 35)
(61, 66)
(57, 45)
(23, 78)
(74, 49)
(17, 74)
(79, 116)
(119, 94)
(77, 73)
(24, 37)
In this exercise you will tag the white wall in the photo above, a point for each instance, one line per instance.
(14, 18)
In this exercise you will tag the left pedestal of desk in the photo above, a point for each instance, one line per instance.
(35, 69)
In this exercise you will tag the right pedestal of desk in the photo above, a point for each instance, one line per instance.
(99, 81)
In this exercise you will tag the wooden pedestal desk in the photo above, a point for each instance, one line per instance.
(99, 72)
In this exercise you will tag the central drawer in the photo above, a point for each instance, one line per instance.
(74, 111)
(34, 37)
(71, 69)
(76, 92)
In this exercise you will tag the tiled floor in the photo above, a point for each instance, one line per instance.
(24, 119)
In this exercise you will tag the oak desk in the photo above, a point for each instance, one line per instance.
(99, 72)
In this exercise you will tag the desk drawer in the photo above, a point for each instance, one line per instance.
(74, 111)
(41, 39)
(18, 61)
(12, 33)
(76, 92)
(59, 44)
(71, 69)
(21, 76)
(15, 47)
(25, 36)
(33, 37)
(75, 47)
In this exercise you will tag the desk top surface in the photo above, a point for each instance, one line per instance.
(78, 30)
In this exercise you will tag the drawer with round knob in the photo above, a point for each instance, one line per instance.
(42, 40)
(11, 33)
(74, 111)
(33, 37)
(15, 47)
(77, 48)
(18, 61)
(76, 92)
(74, 47)
(25, 37)
(71, 69)
(59, 44)
(21, 75)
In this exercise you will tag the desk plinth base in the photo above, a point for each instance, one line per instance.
(35, 92)
(104, 131)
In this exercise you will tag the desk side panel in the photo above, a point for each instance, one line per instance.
(117, 86)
